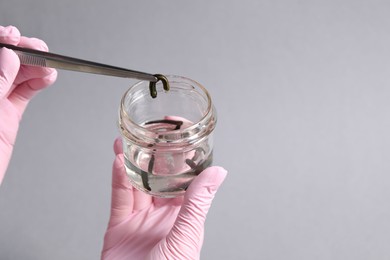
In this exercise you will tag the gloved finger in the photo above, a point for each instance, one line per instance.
(31, 79)
(189, 225)
(33, 72)
(9, 35)
(160, 202)
(23, 93)
(118, 147)
(122, 199)
(33, 43)
(9, 67)
(141, 200)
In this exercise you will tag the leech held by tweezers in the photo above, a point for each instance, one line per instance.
(38, 58)
(152, 84)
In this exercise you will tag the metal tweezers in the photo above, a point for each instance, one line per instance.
(46, 59)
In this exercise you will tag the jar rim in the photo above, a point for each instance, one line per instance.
(137, 127)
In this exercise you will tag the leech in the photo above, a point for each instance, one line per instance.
(136, 152)
(144, 175)
(198, 152)
(191, 163)
(178, 124)
(152, 89)
(151, 164)
(152, 85)
(145, 180)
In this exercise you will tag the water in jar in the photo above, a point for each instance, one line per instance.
(160, 170)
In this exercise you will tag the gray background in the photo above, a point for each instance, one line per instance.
(302, 90)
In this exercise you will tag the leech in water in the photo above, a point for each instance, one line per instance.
(177, 123)
(151, 164)
(145, 180)
(144, 175)
(198, 152)
(191, 162)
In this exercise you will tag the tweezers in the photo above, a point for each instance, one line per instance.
(47, 59)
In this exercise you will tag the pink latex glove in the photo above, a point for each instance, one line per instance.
(145, 227)
(18, 84)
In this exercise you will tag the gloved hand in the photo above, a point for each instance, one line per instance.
(145, 227)
(18, 84)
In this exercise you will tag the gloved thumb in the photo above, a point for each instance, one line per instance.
(186, 236)
(9, 68)
(122, 192)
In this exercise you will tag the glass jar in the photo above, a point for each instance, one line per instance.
(167, 140)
